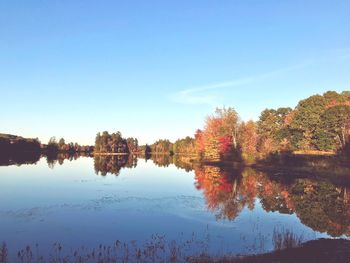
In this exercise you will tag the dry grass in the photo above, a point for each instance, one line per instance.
(314, 152)
(285, 239)
(156, 249)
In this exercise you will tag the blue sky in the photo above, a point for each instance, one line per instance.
(155, 69)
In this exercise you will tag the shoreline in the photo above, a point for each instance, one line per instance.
(105, 154)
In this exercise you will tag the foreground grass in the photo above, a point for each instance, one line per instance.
(288, 249)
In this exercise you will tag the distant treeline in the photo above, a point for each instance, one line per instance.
(115, 143)
(16, 149)
(12, 143)
(61, 147)
(184, 146)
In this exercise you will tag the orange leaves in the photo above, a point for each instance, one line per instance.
(334, 103)
(248, 139)
(199, 142)
(266, 146)
(218, 138)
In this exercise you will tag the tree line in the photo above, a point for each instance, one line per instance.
(317, 123)
(185, 146)
(62, 147)
(17, 144)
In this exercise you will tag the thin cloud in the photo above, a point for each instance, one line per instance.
(195, 95)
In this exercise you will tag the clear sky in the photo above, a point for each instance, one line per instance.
(155, 69)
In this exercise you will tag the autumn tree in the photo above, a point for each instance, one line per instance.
(162, 146)
(248, 139)
(98, 142)
(220, 134)
(185, 146)
(199, 143)
(133, 144)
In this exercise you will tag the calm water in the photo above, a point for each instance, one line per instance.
(87, 202)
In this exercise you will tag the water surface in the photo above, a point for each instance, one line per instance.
(88, 202)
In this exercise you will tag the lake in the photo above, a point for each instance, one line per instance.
(87, 202)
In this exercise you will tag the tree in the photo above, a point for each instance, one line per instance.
(248, 139)
(98, 142)
(307, 118)
(212, 136)
(336, 124)
(185, 146)
(133, 144)
(162, 146)
(220, 134)
(230, 123)
(199, 143)
(273, 130)
(111, 143)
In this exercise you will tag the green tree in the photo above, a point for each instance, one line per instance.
(111, 143)
(336, 124)
(273, 130)
(307, 118)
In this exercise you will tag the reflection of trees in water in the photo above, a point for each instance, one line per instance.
(164, 160)
(222, 190)
(274, 196)
(322, 206)
(319, 204)
(112, 164)
(183, 162)
(19, 158)
(53, 158)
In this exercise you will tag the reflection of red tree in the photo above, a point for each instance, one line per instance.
(212, 183)
(319, 205)
(249, 184)
(224, 190)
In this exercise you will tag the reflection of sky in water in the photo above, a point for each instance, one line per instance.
(73, 205)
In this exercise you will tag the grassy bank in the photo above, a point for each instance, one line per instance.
(322, 250)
